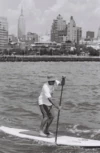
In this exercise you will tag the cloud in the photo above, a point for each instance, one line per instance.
(31, 14)
(59, 4)
(85, 12)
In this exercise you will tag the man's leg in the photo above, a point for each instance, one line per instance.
(44, 120)
(49, 121)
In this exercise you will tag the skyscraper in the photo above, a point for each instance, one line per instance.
(79, 34)
(3, 32)
(98, 35)
(21, 27)
(72, 30)
(90, 35)
(58, 30)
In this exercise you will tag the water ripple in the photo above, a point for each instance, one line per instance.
(20, 87)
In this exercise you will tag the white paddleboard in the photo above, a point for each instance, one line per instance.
(61, 140)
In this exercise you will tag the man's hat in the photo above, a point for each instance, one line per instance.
(51, 78)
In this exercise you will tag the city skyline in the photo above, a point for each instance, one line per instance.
(39, 16)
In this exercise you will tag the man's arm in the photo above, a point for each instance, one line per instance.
(48, 95)
(50, 100)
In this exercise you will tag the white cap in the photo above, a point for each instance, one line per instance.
(51, 78)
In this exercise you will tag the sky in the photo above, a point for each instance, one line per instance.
(39, 14)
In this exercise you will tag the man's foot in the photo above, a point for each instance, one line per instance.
(43, 134)
(50, 133)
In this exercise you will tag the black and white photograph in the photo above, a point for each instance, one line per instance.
(49, 76)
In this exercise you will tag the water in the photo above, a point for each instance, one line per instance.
(20, 86)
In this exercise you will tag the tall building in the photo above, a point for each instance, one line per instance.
(90, 35)
(3, 32)
(21, 27)
(72, 30)
(98, 35)
(58, 30)
(79, 34)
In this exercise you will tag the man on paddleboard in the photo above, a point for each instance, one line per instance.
(45, 102)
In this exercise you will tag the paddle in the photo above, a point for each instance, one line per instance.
(62, 84)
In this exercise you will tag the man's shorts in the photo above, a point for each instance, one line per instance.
(47, 111)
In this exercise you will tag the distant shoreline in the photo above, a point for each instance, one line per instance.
(37, 58)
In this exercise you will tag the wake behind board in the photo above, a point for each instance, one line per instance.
(61, 140)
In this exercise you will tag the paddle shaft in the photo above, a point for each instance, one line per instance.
(58, 113)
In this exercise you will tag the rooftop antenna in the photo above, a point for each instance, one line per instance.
(22, 11)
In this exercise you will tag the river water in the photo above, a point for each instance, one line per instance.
(20, 86)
